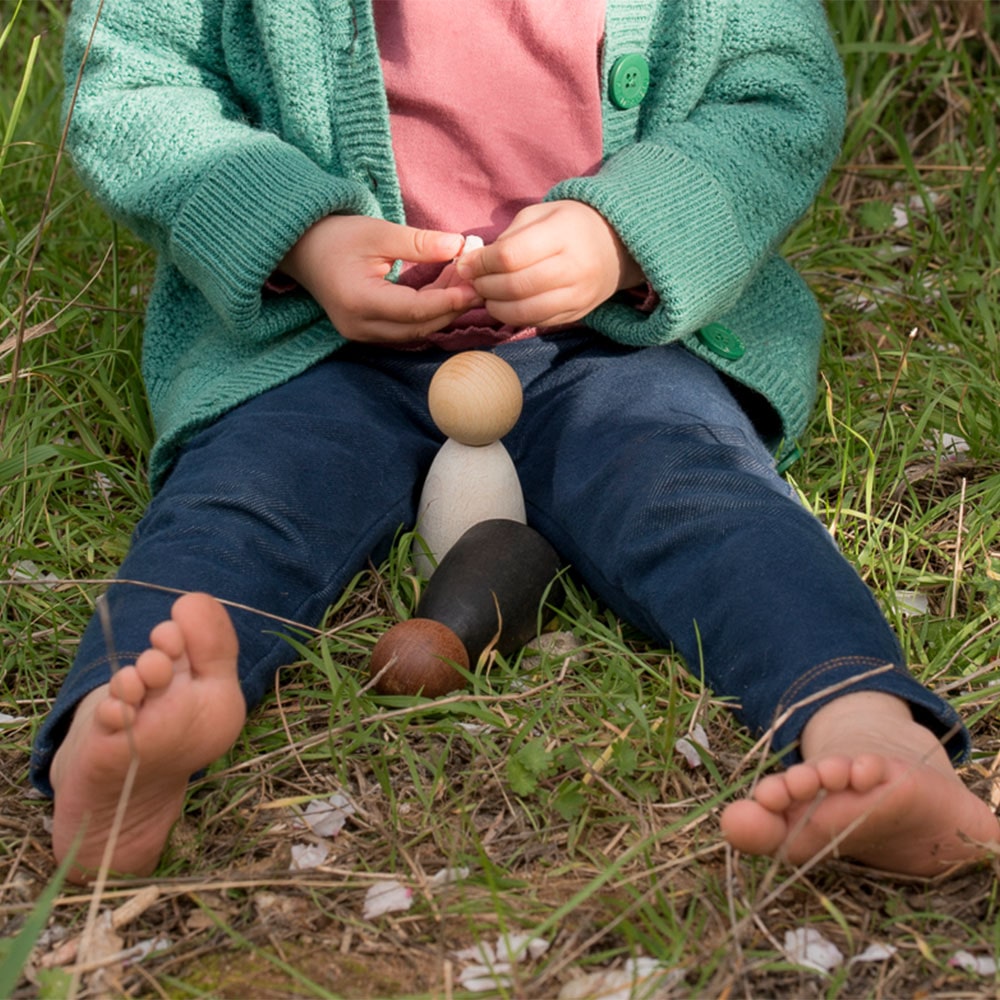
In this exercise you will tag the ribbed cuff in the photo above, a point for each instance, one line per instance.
(676, 222)
(246, 214)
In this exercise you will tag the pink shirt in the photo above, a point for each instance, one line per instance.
(491, 103)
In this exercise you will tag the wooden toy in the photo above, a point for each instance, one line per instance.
(490, 585)
(416, 657)
(486, 593)
(475, 399)
(488, 571)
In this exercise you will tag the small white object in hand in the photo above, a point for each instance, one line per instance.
(472, 243)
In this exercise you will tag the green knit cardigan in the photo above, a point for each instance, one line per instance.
(220, 130)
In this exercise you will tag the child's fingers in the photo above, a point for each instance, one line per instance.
(549, 308)
(397, 314)
(416, 306)
(547, 275)
(448, 278)
(420, 245)
(526, 243)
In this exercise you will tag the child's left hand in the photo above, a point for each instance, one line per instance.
(555, 263)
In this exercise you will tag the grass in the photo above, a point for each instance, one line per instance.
(555, 779)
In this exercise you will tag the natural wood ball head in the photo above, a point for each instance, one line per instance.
(417, 657)
(475, 397)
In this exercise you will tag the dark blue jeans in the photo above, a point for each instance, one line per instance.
(638, 465)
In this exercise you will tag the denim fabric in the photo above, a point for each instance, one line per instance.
(638, 465)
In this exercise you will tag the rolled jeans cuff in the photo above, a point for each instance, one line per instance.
(849, 675)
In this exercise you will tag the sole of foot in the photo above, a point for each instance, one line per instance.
(176, 710)
(900, 808)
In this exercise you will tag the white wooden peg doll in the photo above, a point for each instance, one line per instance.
(487, 592)
(475, 399)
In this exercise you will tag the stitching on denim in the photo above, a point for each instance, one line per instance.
(121, 655)
(790, 696)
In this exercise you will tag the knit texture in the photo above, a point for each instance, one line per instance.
(220, 130)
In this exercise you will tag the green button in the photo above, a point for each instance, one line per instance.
(629, 80)
(722, 341)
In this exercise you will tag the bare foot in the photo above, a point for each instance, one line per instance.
(180, 707)
(874, 775)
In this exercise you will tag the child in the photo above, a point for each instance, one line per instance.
(632, 168)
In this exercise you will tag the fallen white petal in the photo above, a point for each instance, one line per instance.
(514, 947)
(917, 200)
(480, 978)
(982, 965)
(953, 443)
(4, 717)
(900, 218)
(26, 571)
(138, 952)
(699, 735)
(686, 749)
(447, 876)
(641, 979)
(104, 485)
(484, 984)
(308, 856)
(687, 746)
(481, 953)
(807, 947)
(326, 817)
(644, 966)
(386, 897)
(51, 937)
(875, 953)
(911, 603)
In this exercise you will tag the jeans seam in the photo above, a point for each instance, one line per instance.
(827, 666)
(113, 660)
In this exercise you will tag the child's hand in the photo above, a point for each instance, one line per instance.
(555, 263)
(342, 261)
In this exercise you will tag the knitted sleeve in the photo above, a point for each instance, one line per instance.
(743, 120)
(160, 135)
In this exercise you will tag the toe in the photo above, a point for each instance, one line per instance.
(155, 668)
(169, 639)
(114, 715)
(803, 782)
(834, 773)
(126, 685)
(209, 637)
(867, 771)
(772, 793)
(751, 828)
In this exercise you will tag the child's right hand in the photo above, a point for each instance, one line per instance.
(342, 262)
